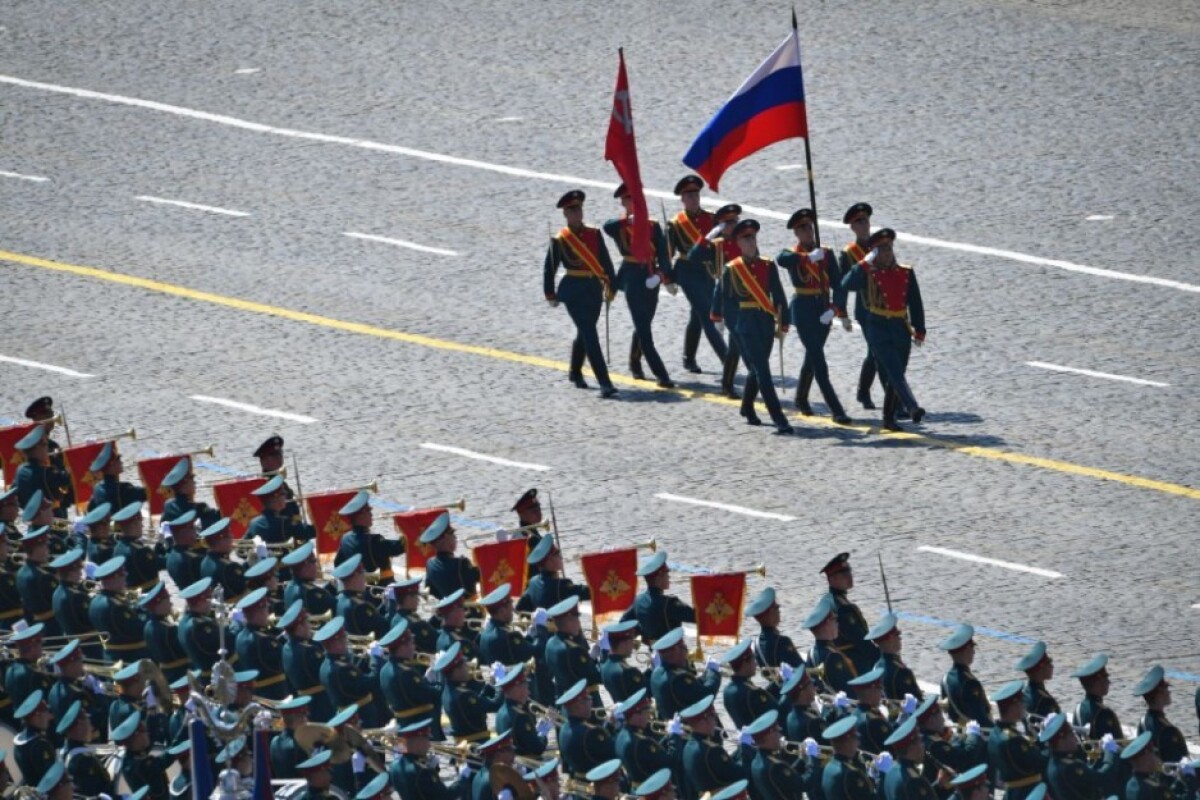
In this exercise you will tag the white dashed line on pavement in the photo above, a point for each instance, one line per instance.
(400, 243)
(510, 119)
(246, 71)
(20, 177)
(789, 167)
(749, 512)
(995, 562)
(229, 212)
(504, 462)
(1093, 374)
(1100, 217)
(265, 412)
(24, 362)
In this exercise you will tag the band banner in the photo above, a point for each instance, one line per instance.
(501, 562)
(323, 514)
(718, 600)
(612, 577)
(234, 500)
(78, 461)
(152, 471)
(10, 456)
(410, 525)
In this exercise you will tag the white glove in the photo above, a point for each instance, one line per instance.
(721, 326)
(1046, 720)
(1185, 766)
(544, 726)
(79, 527)
(358, 762)
(675, 726)
(883, 762)
(19, 626)
(260, 548)
(744, 737)
(827, 317)
(816, 255)
(151, 700)
(653, 281)
(466, 772)
(376, 650)
(595, 651)
(847, 325)
(673, 288)
(238, 616)
(786, 671)
(262, 721)
(433, 676)
(498, 671)
(619, 716)
(656, 660)
(605, 644)
(553, 303)
(503, 535)
(909, 705)
(811, 748)
(840, 700)
(93, 684)
(715, 232)
(190, 705)
(89, 570)
(1109, 744)
(539, 617)
(918, 342)
(505, 794)
(973, 728)
(712, 665)
(871, 256)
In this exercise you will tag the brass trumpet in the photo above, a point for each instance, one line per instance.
(56, 643)
(130, 434)
(241, 476)
(247, 547)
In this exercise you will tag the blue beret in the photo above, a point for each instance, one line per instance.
(103, 457)
(448, 657)
(355, 504)
(217, 528)
(270, 487)
(348, 567)
(886, 624)
(1089, 669)
(511, 673)
(128, 727)
(542, 771)
(176, 750)
(566, 606)
(1008, 691)
(959, 638)
(27, 633)
(178, 472)
(495, 741)
(65, 652)
(67, 559)
(193, 589)
(821, 613)
(867, 678)
(110, 567)
(420, 727)
(150, 594)
(497, 595)
(669, 639)
(33, 506)
(449, 599)
(654, 784)
(571, 693)
(395, 632)
(763, 723)
(904, 731)
(632, 701)
(1150, 681)
(343, 716)
(541, 551)
(68, 719)
(30, 535)
(128, 512)
(652, 564)
(35, 435)
(699, 707)
(1033, 657)
(230, 751)
(289, 617)
(732, 791)
(329, 629)
(299, 555)
(319, 758)
(840, 728)
(185, 518)
(603, 772)
(261, 568)
(373, 788)
(1137, 745)
(762, 603)
(737, 651)
(53, 777)
(1051, 728)
(246, 676)
(97, 514)
(255, 597)
(440, 525)
(973, 775)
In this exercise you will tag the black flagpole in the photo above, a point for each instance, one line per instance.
(812, 189)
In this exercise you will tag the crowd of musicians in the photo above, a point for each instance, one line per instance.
(483, 698)
(716, 259)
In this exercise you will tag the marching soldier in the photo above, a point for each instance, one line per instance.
(317, 772)
(348, 681)
(111, 489)
(716, 249)
(101, 545)
(134, 697)
(858, 217)
(39, 512)
(1039, 668)
(496, 751)
(899, 681)
(445, 572)
(753, 284)
(72, 686)
(318, 599)
(217, 564)
(673, 684)
(956, 753)
(377, 552)
(773, 777)
(567, 652)
(453, 615)
(264, 574)
(1091, 711)
(112, 615)
(499, 641)
(55, 784)
(530, 738)
(402, 681)
(544, 779)
(620, 678)
(1146, 779)
(406, 595)
(184, 558)
(684, 231)
(39, 474)
(10, 510)
(655, 611)
(1068, 773)
(286, 754)
(273, 525)
(529, 513)
(270, 461)
(836, 667)
(873, 727)
(897, 319)
(378, 788)
(641, 755)
(583, 745)
(198, 630)
(744, 702)
(302, 662)
(852, 626)
(546, 586)
(414, 771)
(1011, 756)
(589, 281)
(42, 410)
(1156, 692)
(706, 765)
(259, 646)
(817, 297)
(139, 767)
(35, 583)
(973, 784)
(803, 718)
(23, 677)
(361, 615)
(32, 749)
(71, 600)
(962, 690)
(904, 779)
(161, 633)
(606, 780)
(771, 648)
(181, 480)
(142, 563)
(85, 768)
(639, 282)
(843, 776)
(465, 702)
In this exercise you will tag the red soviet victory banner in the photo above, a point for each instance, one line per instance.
(234, 500)
(10, 456)
(501, 562)
(620, 147)
(410, 525)
(323, 510)
(718, 600)
(612, 577)
(78, 461)
(152, 472)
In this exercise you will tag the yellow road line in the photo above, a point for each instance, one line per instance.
(161, 287)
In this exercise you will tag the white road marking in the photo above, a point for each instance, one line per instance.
(995, 562)
(229, 212)
(246, 71)
(23, 362)
(510, 119)
(786, 167)
(266, 412)
(400, 243)
(1093, 374)
(504, 462)
(20, 177)
(749, 512)
(366, 144)
(1100, 217)
(1195, 605)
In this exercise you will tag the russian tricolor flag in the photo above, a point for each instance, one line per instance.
(767, 108)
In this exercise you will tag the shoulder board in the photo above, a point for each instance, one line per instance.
(906, 266)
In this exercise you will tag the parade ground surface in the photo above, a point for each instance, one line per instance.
(223, 220)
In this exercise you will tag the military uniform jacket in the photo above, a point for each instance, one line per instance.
(1166, 737)
(302, 665)
(526, 740)
(36, 587)
(681, 240)
(892, 289)
(412, 779)
(1146, 786)
(801, 722)
(1014, 760)
(87, 771)
(424, 632)
(22, 679)
(446, 574)
(144, 769)
(225, 572)
(873, 729)
(55, 484)
(376, 551)
(33, 752)
(620, 679)
(570, 662)
(560, 252)
(201, 640)
(1099, 718)
(708, 766)
(467, 639)
(183, 565)
(407, 693)
(285, 755)
(117, 493)
(966, 697)
(361, 616)
(349, 682)
(852, 628)
(815, 282)
(122, 708)
(959, 753)
(124, 624)
(65, 691)
(101, 550)
(905, 781)
(275, 528)
(676, 688)
(642, 756)
(261, 648)
(71, 609)
(180, 504)
(836, 667)
(162, 640)
(467, 706)
(898, 679)
(547, 589)
(584, 746)
(774, 779)
(657, 613)
(746, 702)
(1072, 778)
(1038, 701)
(504, 644)
(317, 598)
(773, 649)
(844, 779)
(11, 606)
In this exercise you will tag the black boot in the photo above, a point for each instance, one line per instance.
(866, 377)
(691, 341)
(635, 358)
(729, 372)
(575, 373)
(890, 402)
(802, 389)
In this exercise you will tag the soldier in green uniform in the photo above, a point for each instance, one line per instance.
(1156, 692)
(499, 642)
(317, 771)
(962, 690)
(834, 665)
(547, 587)
(199, 632)
(944, 752)
(496, 751)
(1011, 755)
(33, 751)
(23, 676)
(142, 562)
(348, 680)
(640, 752)
(529, 513)
(85, 768)
(1146, 781)
(973, 784)
(772, 776)
(673, 683)
(178, 719)
(39, 474)
(465, 702)
(181, 481)
(852, 625)
(378, 788)
(162, 634)
(273, 525)
(899, 681)
(414, 772)
(377, 552)
(844, 776)
(656, 611)
(39, 512)
(109, 612)
(567, 654)
(606, 780)
(904, 779)
(620, 678)
(286, 754)
(744, 702)
(1038, 668)
(530, 737)
(873, 727)
(101, 546)
(71, 685)
(684, 231)
(659, 786)
(184, 556)
(589, 281)
(801, 717)
(583, 745)
(270, 461)
(10, 510)
(217, 564)
(318, 598)
(1091, 711)
(452, 612)
(35, 583)
(706, 765)
(302, 660)
(405, 690)
(55, 784)
(544, 778)
(771, 648)
(134, 697)
(445, 573)
(264, 573)
(111, 489)
(259, 646)
(360, 612)
(858, 217)
(1068, 773)
(712, 252)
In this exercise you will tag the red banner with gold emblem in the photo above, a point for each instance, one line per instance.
(410, 525)
(78, 461)
(501, 562)
(718, 600)
(612, 577)
(234, 500)
(152, 472)
(10, 456)
(323, 513)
